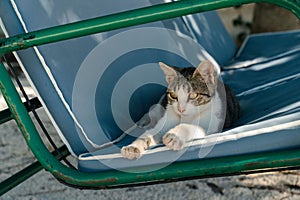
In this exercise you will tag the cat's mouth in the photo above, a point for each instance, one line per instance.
(183, 114)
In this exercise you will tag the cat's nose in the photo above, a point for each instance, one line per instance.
(181, 110)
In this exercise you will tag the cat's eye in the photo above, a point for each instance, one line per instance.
(193, 95)
(205, 95)
(172, 95)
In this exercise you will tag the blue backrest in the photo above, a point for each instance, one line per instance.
(96, 86)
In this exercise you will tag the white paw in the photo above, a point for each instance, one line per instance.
(131, 152)
(173, 142)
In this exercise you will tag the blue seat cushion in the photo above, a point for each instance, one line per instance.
(269, 96)
(76, 79)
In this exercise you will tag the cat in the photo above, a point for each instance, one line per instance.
(196, 104)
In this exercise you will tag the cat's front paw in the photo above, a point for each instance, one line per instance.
(131, 152)
(173, 142)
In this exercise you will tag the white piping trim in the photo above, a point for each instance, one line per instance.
(268, 85)
(247, 63)
(259, 35)
(15, 7)
(60, 94)
(36, 91)
(240, 50)
(3, 28)
(212, 139)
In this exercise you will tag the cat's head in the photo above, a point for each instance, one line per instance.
(190, 89)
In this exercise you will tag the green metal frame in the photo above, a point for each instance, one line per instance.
(181, 170)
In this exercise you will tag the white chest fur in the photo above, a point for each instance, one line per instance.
(208, 117)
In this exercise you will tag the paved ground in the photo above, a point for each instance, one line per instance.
(14, 155)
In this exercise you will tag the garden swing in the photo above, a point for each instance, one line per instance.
(94, 68)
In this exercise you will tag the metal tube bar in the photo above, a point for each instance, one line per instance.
(27, 172)
(19, 177)
(176, 170)
(126, 19)
(130, 18)
(5, 115)
(195, 168)
(23, 119)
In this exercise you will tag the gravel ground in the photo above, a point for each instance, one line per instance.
(15, 155)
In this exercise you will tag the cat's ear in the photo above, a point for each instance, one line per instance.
(206, 71)
(169, 72)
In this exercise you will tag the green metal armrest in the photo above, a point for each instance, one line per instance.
(113, 178)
